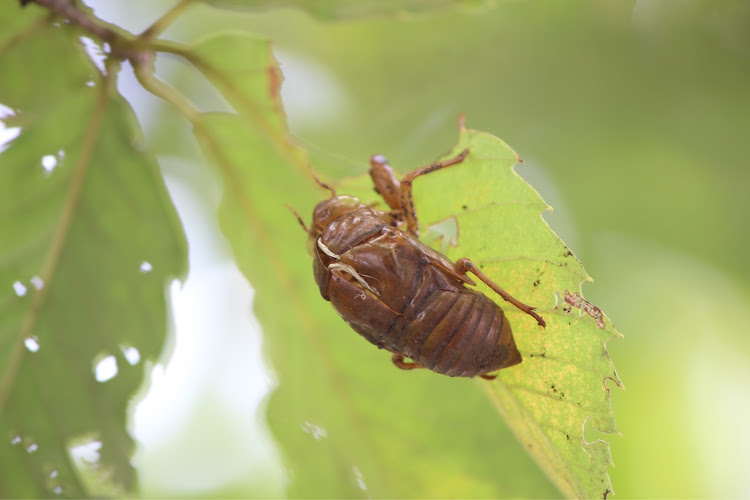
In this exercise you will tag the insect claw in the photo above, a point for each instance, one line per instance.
(539, 319)
(398, 360)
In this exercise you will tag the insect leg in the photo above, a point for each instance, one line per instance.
(354, 274)
(299, 218)
(407, 201)
(398, 360)
(327, 250)
(464, 265)
(386, 183)
(323, 184)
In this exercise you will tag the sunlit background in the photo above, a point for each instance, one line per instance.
(633, 119)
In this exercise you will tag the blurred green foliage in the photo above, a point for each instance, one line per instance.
(88, 237)
(633, 119)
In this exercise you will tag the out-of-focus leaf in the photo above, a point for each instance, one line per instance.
(349, 423)
(345, 9)
(561, 385)
(88, 240)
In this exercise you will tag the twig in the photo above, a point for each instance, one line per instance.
(158, 26)
(72, 13)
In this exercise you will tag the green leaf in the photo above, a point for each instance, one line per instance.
(345, 9)
(561, 386)
(482, 210)
(88, 242)
(349, 423)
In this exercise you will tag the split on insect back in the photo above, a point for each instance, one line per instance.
(443, 311)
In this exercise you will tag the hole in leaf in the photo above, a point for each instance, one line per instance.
(131, 354)
(6, 111)
(49, 162)
(87, 452)
(445, 231)
(105, 368)
(32, 344)
(7, 134)
(37, 282)
(19, 288)
(95, 52)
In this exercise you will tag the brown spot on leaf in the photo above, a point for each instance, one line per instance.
(275, 78)
(584, 305)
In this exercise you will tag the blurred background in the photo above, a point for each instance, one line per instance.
(633, 119)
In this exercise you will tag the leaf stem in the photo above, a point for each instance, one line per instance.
(158, 26)
(151, 83)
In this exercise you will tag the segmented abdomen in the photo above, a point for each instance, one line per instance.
(461, 333)
(415, 305)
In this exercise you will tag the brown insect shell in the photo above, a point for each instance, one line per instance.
(413, 302)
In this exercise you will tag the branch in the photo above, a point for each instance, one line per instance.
(76, 16)
(123, 47)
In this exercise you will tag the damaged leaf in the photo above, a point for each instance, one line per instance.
(88, 242)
